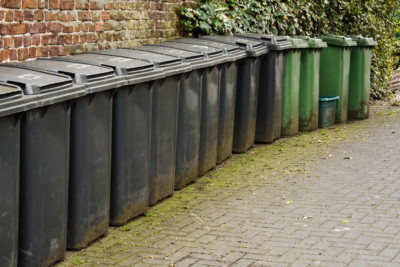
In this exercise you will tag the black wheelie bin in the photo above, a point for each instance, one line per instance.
(12, 106)
(165, 101)
(269, 107)
(209, 69)
(90, 148)
(227, 95)
(45, 135)
(246, 91)
(131, 130)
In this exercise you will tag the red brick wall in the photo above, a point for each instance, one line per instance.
(42, 28)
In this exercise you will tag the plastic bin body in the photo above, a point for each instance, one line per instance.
(131, 129)
(12, 106)
(327, 111)
(359, 86)
(165, 100)
(246, 91)
(90, 148)
(210, 101)
(207, 112)
(269, 108)
(291, 88)
(45, 134)
(227, 95)
(309, 85)
(335, 72)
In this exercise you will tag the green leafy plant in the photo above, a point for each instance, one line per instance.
(373, 18)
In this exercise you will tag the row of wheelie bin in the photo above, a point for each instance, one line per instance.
(92, 140)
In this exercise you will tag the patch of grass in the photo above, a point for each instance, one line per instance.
(126, 228)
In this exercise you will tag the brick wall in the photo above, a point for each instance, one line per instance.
(42, 28)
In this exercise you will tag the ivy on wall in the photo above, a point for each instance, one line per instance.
(372, 18)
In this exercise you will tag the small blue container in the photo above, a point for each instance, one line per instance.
(327, 111)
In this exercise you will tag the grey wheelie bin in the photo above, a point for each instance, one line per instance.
(209, 69)
(359, 82)
(131, 129)
(45, 135)
(227, 93)
(12, 106)
(335, 72)
(90, 148)
(246, 91)
(269, 107)
(165, 101)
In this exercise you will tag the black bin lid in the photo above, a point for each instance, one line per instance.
(207, 51)
(12, 100)
(170, 64)
(273, 42)
(121, 65)
(96, 78)
(253, 48)
(47, 87)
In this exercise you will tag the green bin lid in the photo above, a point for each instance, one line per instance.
(297, 43)
(328, 98)
(338, 40)
(363, 41)
(313, 42)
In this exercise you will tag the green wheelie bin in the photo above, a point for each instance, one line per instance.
(335, 72)
(309, 84)
(359, 84)
(291, 87)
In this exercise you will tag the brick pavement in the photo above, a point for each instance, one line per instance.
(327, 198)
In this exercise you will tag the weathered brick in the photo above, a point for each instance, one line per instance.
(105, 15)
(9, 15)
(38, 15)
(23, 54)
(27, 41)
(51, 15)
(11, 3)
(18, 41)
(32, 52)
(38, 27)
(42, 52)
(54, 27)
(8, 42)
(29, 4)
(68, 28)
(29, 15)
(18, 15)
(3, 54)
(12, 54)
(54, 4)
(20, 28)
(36, 39)
(5, 29)
(67, 4)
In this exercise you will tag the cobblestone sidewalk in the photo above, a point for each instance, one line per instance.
(327, 198)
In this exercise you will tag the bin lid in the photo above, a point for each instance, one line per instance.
(363, 41)
(13, 101)
(95, 78)
(210, 56)
(297, 43)
(338, 40)
(48, 87)
(273, 42)
(313, 42)
(133, 70)
(253, 48)
(170, 64)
